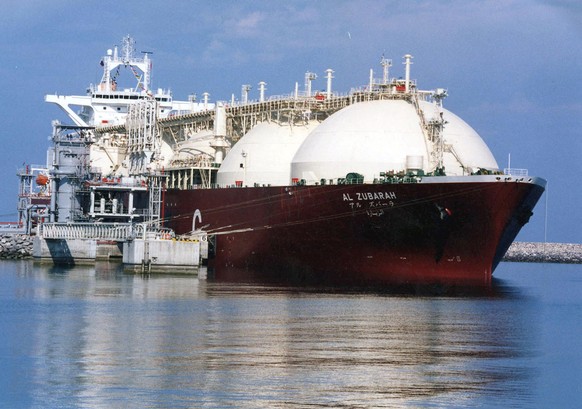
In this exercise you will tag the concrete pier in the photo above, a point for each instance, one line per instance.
(141, 247)
(155, 256)
(151, 255)
(74, 251)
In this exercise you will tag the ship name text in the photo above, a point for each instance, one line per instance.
(369, 196)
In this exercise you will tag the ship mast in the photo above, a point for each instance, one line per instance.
(141, 68)
(309, 77)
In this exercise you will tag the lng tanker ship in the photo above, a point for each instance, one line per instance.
(378, 185)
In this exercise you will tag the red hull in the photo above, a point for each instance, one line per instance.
(424, 233)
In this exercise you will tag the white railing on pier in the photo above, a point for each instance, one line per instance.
(97, 231)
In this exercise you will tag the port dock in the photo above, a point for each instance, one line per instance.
(140, 247)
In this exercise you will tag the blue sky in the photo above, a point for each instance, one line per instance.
(513, 69)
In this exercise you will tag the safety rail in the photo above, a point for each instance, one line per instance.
(100, 231)
(319, 102)
(515, 172)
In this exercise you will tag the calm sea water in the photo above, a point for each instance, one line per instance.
(94, 337)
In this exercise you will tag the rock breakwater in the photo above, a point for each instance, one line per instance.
(544, 253)
(15, 246)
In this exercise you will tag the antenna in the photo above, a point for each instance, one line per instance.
(245, 93)
(127, 48)
(386, 64)
(309, 76)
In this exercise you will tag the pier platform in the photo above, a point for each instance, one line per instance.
(141, 248)
(152, 255)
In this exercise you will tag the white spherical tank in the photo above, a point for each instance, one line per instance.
(185, 152)
(166, 153)
(263, 155)
(379, 136)
(367, 138)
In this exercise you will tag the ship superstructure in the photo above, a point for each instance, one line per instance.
(381, 184)
(108, 102)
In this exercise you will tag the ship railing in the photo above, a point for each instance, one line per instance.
(301, 100)
(32, 169)
(102, 231)
(300, 95)
(515, 172)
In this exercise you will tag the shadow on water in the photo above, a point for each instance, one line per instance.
(98, 267)
(251, 283)
(498, 289)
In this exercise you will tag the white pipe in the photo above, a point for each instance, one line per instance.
(262, 91)
(329, 73)
(407, 62)
(206, 95)
(219, 120)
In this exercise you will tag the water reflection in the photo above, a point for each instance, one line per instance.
(102, 338)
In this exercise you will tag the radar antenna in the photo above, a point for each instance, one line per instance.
(127, 49)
